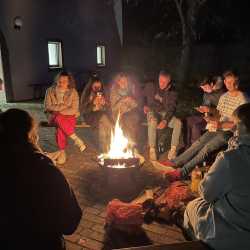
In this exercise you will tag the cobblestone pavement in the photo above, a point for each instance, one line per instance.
(87, 179)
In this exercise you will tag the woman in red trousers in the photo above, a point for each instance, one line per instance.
(62, 107)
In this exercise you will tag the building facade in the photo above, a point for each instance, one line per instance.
(38, 37)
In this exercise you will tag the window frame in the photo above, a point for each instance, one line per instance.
(60, 59)
(103, 61)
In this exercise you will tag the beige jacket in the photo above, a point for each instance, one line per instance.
(70, 105)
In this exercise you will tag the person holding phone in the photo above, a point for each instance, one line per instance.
(94, 107)
(196, 124)
(221, 129)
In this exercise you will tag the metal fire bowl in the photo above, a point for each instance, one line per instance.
(130, 162)
(121, 182)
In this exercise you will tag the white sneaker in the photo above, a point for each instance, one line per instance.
(152, 154)
(172, 153)
(79, 143)
(139, 156)
(61, 158)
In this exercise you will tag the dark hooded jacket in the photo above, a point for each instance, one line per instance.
(167, 102)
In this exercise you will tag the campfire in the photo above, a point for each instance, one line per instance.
(120, 154)
(120, 165)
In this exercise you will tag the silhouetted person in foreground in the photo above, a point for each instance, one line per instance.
(37, 204)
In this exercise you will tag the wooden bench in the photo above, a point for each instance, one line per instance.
(189, 245)
(45, 124)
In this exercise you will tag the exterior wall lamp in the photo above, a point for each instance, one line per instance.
(18, 23)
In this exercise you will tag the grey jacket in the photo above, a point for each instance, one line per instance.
(70, 104)
(226, 188)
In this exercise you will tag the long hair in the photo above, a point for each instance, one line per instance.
(17, 127)
(118, 76)
(72, 82)
(87, 91)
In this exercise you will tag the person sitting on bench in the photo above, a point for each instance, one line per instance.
(195, 124)
(95, 109)
(125, 103)
(62, 107)
(160, 110)
(221, 216)
(218, 134)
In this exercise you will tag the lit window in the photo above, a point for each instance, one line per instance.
(101, 55)
(55, 54)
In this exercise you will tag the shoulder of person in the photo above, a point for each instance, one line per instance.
(231, 154)
(225, 95)
(113, 87)
(172, 90)
(47, 167)
(243, 95)
(225, 156)
(51, 89)
(74, 92)
(43, 160)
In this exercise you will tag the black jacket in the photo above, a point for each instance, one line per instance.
(166, 103)
(38, 206)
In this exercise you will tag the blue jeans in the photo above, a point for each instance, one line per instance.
(199, 151)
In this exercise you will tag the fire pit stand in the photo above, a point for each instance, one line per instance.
(120, 177)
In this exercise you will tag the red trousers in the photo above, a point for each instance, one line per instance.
(65, 126)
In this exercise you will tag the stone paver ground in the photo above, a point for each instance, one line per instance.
(87, 179)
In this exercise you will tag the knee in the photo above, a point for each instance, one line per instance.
(57, 118)
(208, 149)
(152, 121)
(178, 123)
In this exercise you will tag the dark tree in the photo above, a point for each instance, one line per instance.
(187, 11)
(185, 23)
